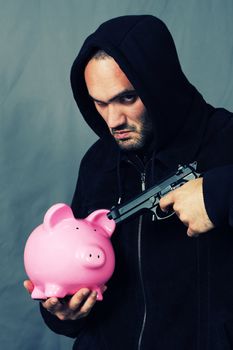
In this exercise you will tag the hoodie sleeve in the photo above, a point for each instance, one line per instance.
(218, 195)
(68, 328)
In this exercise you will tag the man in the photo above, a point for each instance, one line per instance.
(168, 291)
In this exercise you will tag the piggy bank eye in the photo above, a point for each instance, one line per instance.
(95, 229)
(77, 228)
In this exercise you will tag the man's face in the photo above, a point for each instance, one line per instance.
(118, 103)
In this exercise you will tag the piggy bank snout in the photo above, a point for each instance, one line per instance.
(93, 257)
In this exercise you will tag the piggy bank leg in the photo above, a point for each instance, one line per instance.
(99, 291)
(38, 293)
(54, 290)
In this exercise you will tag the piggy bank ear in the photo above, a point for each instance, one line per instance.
(99, 218)
(55, 214)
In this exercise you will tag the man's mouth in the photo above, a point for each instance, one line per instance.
(121, 135)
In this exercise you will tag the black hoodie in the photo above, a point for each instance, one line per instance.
(168, 291)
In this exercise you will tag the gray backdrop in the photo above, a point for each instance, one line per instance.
(42, 135)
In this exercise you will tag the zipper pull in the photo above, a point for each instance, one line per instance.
(143, 181)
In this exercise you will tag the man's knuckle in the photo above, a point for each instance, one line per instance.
(177, 209)
(192, 228)
(182, 217)
(74, 306)
(88, 305)
(85, 309)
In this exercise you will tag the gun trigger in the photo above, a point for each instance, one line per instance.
(163, 215)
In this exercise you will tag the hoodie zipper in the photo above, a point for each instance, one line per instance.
(143, 187)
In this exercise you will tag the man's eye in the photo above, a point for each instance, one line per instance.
(100, 104)
(129, 99)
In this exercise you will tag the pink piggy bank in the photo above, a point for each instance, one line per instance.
(65, 254)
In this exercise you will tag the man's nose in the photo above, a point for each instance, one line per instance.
(115, 116)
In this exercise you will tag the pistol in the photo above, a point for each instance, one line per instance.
(149, 199)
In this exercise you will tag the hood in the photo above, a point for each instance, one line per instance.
(144, 49)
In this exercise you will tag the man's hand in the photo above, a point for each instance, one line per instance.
(78, 306)
(188, 204)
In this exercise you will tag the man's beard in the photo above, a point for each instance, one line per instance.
(140, 137)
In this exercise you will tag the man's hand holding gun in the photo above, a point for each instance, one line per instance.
(181, 193)
(188, 203)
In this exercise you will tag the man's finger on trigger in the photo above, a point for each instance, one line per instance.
(166, 201)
